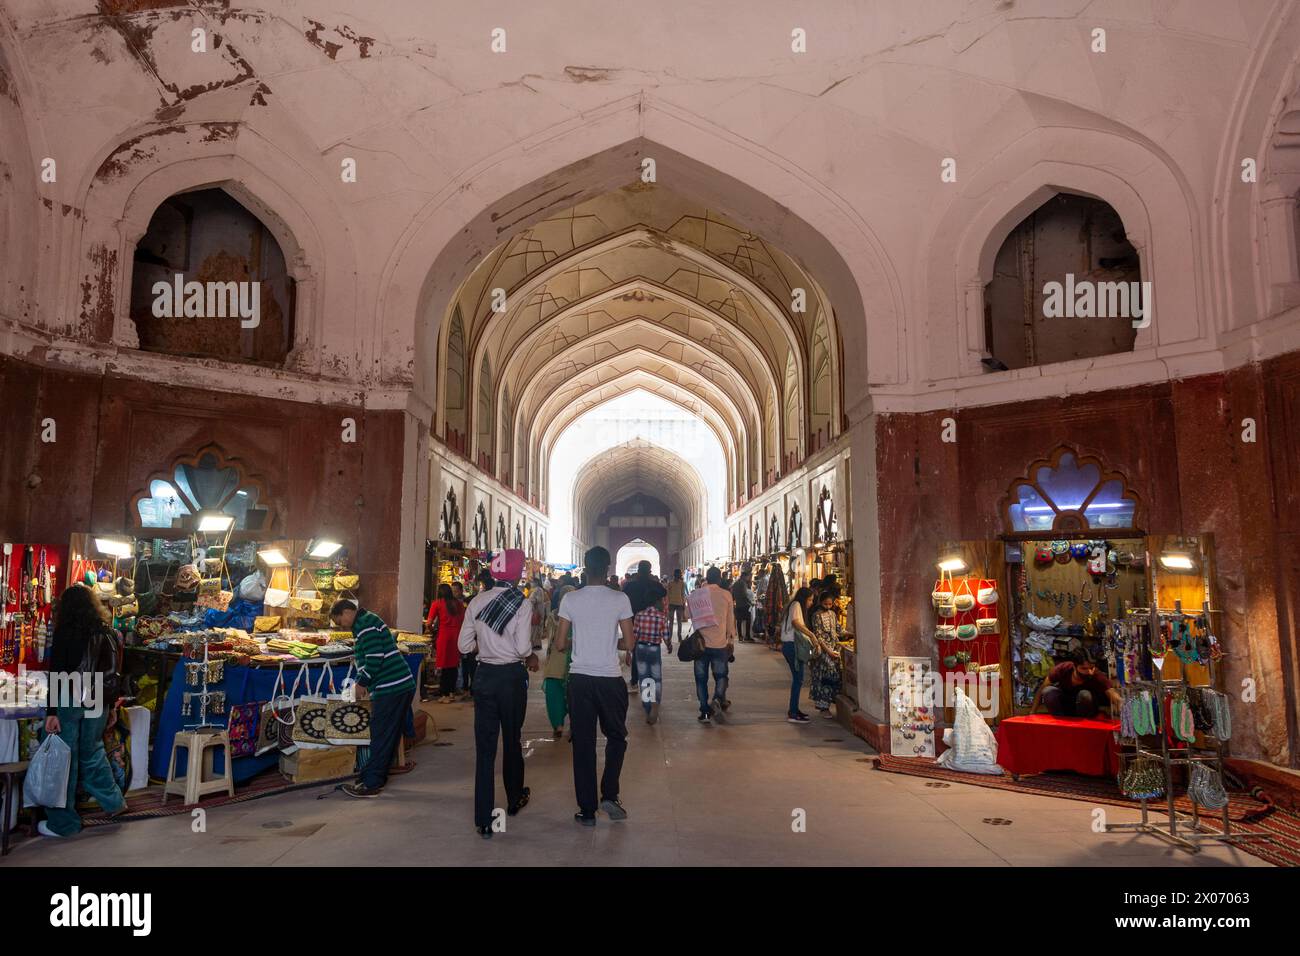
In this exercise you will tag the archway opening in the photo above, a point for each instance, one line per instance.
(634, 552)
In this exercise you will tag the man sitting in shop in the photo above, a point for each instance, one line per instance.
(1075, 688)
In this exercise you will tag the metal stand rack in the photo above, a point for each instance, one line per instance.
(1186, 832)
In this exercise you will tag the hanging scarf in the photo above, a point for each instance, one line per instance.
(501, 609)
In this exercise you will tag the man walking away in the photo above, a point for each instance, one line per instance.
(499, 626)
(384, 676)
(597, 621)
(676, 602)
(650, 628)
(643, 590)
(719, 646)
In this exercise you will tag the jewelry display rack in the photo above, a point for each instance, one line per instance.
(1182, 831)
(204, 695)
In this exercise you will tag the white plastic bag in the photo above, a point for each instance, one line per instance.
(46, 783)
(972, 748)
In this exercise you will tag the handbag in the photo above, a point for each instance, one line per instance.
(323, 579)
(276, 713)
(212, 594)
(691, 648)
(700, 608)
(346, 582)
(1206, 787)
(310, 723)
(242, 726)
(347, 717)
(146, 596)
(266, 624)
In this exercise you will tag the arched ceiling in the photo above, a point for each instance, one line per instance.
(639, 288)
(639, 466)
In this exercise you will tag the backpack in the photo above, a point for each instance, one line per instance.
(101, 657)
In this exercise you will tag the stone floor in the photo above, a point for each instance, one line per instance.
(697, 795)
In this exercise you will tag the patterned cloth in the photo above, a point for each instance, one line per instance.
(650, 626)
(775, 600)
(501, 610)
(824, 670)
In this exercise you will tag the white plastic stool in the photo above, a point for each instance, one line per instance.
(199, 776)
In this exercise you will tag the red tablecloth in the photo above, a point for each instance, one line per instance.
(1042, 742)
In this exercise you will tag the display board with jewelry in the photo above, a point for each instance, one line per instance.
(1066, 591)
(30, 584)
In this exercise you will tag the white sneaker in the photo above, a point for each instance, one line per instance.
(43, 829)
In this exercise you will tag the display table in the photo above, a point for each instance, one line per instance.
(1042, 742)
(242, 685)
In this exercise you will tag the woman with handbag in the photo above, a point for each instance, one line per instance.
(796, 644)
(825, 665)
(84, 645)
(447, 614)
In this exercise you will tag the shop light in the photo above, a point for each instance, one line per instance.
(1095, 504)
(213, 521)
(1178, 557)
(322, 548)
(115, 547)
(951, 559)
(273, 558)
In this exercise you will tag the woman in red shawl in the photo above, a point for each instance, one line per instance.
(448, 613)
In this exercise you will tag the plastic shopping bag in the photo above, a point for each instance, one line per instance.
(973, 747)
(46, 784)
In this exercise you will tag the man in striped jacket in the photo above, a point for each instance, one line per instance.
(384, 676)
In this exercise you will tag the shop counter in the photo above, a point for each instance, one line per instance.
(241, 685)
(1041, 742)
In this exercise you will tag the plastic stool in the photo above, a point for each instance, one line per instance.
(199, 776)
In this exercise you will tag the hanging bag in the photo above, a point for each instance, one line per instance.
(216, 592)
(243, 723)
(311, 724)
(347, 717)
(146, 594)
(275, 713)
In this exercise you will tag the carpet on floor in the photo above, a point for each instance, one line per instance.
(1245, 812)
(147, 803)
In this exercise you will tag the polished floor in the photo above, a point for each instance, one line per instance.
(696, 795)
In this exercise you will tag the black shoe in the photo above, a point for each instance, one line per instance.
(360, 790)
(523, 802)
(484, 832)
(797, 718)
(705, 718)
(586, 821)
(614, 809)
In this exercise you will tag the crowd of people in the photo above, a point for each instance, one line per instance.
(599, 639)
(587, 628)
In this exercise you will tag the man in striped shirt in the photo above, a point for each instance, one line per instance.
(384, 676)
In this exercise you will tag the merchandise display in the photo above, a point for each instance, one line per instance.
(30, 584)
(911, 714)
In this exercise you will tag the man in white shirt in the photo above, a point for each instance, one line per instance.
(499, 625)
(597, 621)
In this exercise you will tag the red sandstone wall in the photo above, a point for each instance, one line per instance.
(115, 434)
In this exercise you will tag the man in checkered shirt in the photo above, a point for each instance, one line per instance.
(651, 631)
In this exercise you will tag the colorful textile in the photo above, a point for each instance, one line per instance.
(650, 626)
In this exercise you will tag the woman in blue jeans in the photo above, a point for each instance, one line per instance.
(792, 623)
(83, 644)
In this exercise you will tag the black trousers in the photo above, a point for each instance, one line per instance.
(595, 700)
(468, 662)
(388, 717)
(447, 681)
(500, 703)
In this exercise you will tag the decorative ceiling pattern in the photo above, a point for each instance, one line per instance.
(639, 466)
(639, 288)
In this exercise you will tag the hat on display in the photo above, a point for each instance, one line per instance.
(508, 565)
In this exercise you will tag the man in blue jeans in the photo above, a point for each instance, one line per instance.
(719, 646)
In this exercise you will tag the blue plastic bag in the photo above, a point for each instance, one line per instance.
(46, 783)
